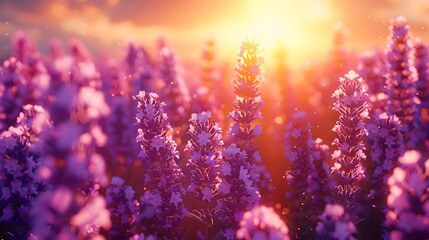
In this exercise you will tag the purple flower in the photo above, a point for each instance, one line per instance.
(209, 90)
(122, 207)
(408, 202)
(335, 224)
(238, 190)
(174, 92)
(387, 145)
(19, 163)
(351, 103)
(121, 147)
(12, 92)
(262, 223)
(244, 128)
(422, 68)
(74, 169)
(401, 79)
(242, 156)
(299, 147)
(139, 68)
(322, 182)
(162, 175)
(22, 46)
(203, 164)
(372, 69)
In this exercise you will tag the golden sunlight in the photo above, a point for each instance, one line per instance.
(300, 25)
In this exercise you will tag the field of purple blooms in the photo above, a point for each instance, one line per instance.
(131, 149)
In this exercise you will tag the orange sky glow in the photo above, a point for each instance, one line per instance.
(305, 28)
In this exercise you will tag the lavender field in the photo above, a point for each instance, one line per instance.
(144, 145)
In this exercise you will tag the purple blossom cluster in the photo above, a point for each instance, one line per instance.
(408, 202)
(204, 167)
(163, 190)
(174, 91)
(299, 149)
(123, 209)
(263, 223)
(19, 163)
(109, 149)
(351, 103)
(334, 223)
(241, 167)
(401, 78)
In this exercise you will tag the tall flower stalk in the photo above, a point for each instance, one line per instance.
(204, 162)
(372, 68)
(335, 224)
(422, 68)
(386, 146)
(174, 93)
(72, 207)
(12, 92)
(401, 79)
(163, 190)
(19, 164)
(299, 149)
(351, 104)
(408, 200)
(246, 111)
(239, 170)
(262, 222)
(123, 209)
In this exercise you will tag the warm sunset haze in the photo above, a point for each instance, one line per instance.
(214, 119)
(305, 28)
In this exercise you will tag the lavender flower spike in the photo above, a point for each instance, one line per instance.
(122, 207)
(162, 177)
(299, 147)
(335, 224)
(204, 143)
(351, 103)
(401, 78)
(408, 201)
(262, 223)
(246, 112)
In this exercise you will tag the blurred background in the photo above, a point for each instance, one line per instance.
(304, 27)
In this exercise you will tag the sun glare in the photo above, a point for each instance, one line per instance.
(296, 24)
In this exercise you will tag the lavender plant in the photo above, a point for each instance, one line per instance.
(175, 92)
(408, 200)
(299, 147)
(322, 181)
(122, 208)
(163, 190)
(262, 223)
(401, 79)
(12, 92)
(120, 147)
(244, 128)
(335, 224)
(237, 189)
(422, 68)
(351, 103)
(206, 94)
(239, 172)
(19, 163)
(139, 68)
(203, 164)
(72, 207)
(386, 146)
(372, 69)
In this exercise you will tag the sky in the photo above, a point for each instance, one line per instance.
(304, 27)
